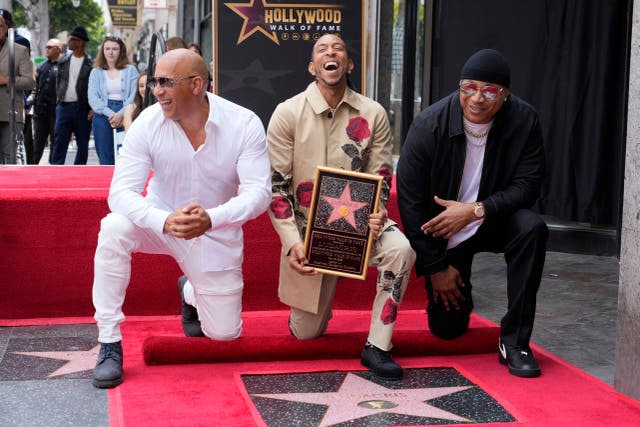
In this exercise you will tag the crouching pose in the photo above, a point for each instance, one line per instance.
(470, 169)
(210, 175)
(330, 124)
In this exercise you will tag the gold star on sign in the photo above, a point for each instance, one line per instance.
(253, 15)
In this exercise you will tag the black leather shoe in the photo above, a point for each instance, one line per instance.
(190, 322)
(519, 360)
(380, 363)
(108, 370)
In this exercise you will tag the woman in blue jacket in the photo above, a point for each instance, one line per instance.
(112, 86)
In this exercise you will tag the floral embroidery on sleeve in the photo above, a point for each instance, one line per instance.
(387, 178)
(281, 207)
(304, 193)
(386, 175)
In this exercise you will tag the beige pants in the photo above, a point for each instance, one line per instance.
(394, 258)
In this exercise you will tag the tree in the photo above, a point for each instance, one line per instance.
(62, 16)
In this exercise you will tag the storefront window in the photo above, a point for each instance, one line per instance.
(405, 77)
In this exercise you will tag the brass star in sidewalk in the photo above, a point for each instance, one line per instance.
(77, 361)
(253, 15)
(358, 398)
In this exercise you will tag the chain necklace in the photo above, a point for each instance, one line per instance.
(476, 134)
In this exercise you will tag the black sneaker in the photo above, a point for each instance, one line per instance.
(380, 363)
(190, 321)
(108, 370)
(519, 360)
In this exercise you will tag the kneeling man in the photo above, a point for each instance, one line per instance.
(470, 169)
(329, 124)
(210, 175)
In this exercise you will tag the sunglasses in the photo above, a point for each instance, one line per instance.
(165, 82)
(488, 92)
(51, 47)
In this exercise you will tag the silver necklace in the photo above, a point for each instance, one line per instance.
(476, 134)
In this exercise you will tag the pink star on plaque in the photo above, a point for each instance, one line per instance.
(344, 207)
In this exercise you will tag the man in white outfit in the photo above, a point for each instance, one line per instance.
(210, 175)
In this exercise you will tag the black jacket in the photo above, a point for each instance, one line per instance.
(432, 161)
(82, 85)
(45, 92)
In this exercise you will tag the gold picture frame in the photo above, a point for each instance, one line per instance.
(338, 239)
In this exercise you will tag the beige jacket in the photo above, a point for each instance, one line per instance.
(302, 135)
(24, 80)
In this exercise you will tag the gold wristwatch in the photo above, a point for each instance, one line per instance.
(478, 210)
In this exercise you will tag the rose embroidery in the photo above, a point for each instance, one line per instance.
(281, 207)
(358, 129)
(389, 312)
(386, 175)
(352, 151)
(280, 183)
(304, 192)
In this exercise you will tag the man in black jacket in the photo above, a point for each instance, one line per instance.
(73, 113)
(44, 117)
(470, 169)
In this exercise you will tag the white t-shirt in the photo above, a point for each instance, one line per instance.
(114, 86)
(471, 175)
(75, 64)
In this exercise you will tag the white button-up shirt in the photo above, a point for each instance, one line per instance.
(228, 175)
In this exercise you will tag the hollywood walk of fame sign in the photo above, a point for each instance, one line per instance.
(338, 240)
(424, 396)
(261, 48)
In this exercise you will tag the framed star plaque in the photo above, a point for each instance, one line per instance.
(338, 239)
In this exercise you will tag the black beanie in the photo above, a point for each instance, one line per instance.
(79, 32)
(487, 65)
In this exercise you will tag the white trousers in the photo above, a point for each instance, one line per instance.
(217, 295)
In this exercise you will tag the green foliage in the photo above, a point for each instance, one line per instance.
(19, 15)
(63, 17)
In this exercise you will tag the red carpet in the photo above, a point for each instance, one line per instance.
(51, 218)
(270, 340)
(213, 394)
(342, 345)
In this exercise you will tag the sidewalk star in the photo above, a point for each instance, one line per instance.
(77, 361)
(358, 398)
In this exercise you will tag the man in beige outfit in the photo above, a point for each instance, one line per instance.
(329, 124)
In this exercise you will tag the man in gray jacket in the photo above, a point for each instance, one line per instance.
(23, 81)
